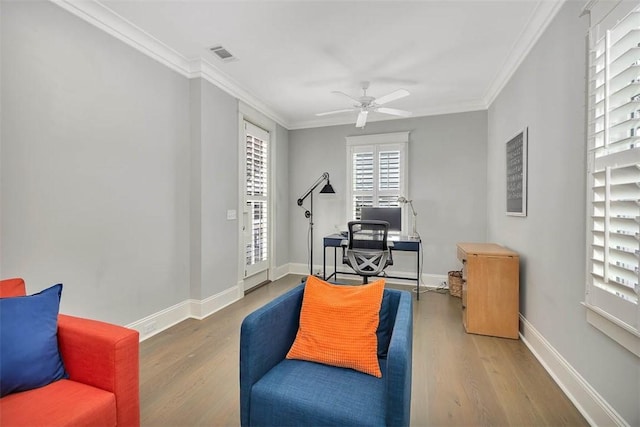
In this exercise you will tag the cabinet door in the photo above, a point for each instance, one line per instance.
(493, 296)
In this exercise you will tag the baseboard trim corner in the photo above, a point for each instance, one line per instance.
(190, 308)
(280, 272)
(205, 308)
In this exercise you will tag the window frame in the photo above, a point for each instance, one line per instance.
(376, 143)
(614, 316)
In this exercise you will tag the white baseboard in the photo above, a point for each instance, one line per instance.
(200, 309)
(164, 319)
(280, 272)
(196, 309)
(591, 405)
(208, 306)
(430, 281)
(435, 280)
(295, 268)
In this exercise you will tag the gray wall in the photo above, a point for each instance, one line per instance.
(447, 182)
(214, 190)
(95, 188)
(550, 100)
(281, 240)
(114, 171)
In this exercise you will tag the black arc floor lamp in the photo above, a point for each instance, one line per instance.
(308, 213)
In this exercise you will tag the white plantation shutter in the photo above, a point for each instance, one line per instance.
(614, 244)
(363, 171)
(362, 180)
(387, 201)
(613, 176)
(389, 167)
(376, 171)
(256, 166)
(256, 249)
(256, 198)
(389, 185)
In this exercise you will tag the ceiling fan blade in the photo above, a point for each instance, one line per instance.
(400, 93)
(362, 119)
(348, 96)
(346, 110)
(394, 111)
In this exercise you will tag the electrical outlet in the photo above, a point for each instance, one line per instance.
(148, 328)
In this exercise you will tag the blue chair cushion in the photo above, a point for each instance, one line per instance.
(29, 355)
(297, 392)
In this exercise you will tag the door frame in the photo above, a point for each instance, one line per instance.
(253, 116)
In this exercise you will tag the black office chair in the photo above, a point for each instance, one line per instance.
(367, 251)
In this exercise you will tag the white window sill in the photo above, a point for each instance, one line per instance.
(620, 332)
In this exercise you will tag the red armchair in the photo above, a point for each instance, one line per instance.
(103, 386)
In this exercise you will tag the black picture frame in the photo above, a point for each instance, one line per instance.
(516, 174)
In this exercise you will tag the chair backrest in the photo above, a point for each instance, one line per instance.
(368, 235)
(12, 288)
(368, 251)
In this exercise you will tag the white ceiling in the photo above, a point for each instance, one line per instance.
(451, 55)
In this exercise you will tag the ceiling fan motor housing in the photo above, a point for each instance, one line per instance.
(366, 101)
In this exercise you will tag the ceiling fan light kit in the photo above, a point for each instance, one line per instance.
(367, 103)
(362, 119)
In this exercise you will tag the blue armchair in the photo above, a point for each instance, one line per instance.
(275, 391)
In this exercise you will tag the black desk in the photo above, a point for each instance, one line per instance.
(401, 243)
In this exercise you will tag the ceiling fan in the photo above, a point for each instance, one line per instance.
(366, 104)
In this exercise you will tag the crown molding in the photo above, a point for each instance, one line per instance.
(110, 22)
(586, 9)
(540, 19)
(350, 120)
(207, 71)
(461, 107)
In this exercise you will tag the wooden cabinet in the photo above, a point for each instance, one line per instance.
(490, 289)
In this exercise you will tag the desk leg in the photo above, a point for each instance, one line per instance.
(324, 262)
(335, 263)
(418, 274)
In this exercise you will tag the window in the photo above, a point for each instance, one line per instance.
(613, 179)
(377, 170)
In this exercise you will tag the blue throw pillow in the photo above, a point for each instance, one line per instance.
(29, 355)
(384, 326)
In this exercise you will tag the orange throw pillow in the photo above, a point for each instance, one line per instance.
(338, 325)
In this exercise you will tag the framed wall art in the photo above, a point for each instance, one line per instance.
(516, 189)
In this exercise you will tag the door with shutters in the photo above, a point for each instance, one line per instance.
(255, 225)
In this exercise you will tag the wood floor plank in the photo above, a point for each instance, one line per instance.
(189, 374)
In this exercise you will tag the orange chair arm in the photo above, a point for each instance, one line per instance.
(105, 356)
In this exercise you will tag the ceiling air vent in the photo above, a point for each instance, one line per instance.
(223, 54)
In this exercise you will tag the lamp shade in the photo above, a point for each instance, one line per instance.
(327, 189)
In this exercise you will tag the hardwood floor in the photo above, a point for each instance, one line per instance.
(189, 373)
